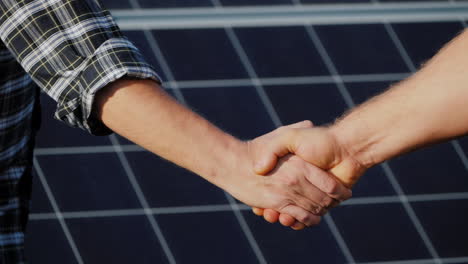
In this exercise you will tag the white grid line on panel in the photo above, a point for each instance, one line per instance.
(142, 199)
(350, 102)
(58, 215)
(361, 201)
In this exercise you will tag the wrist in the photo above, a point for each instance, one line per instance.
(355, 154)
(354, 143)
(228, 159)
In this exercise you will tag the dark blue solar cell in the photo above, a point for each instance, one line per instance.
(123, 141)
(445, 224)
(54, 133)
(281, 244)
(206, 238)
(320, 103)
(257, 2)
(281, 51)
(362, 91)
(379, 232)
(238, 110)
(361, 49)
(373, 183)
(423, 40)
(165, 184)
(436, 169)
(201, 54)
(174, 3)
(45, 242)
(120, 4)
(39, 200)
(88, 182)
(119, 240)
(139, 39)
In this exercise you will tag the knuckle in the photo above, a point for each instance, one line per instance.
(315, 221)
(323, 212)
(318, 210)
(280, 203)
(331, 187)
(290, 181)
(327, 202)
(303, 219)
(307, 123)
(311, 207)
(310, 220)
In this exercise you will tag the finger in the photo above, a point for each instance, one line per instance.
(266, 159)
(312, 199)
(286, 220)
(271, 215)
(298, 226)
(299, 190)
(257, 211)
(327, 183)
(301, 215)
(311, 205)
(266, 163)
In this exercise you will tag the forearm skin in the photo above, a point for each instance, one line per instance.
(142, 112)
(429, 107)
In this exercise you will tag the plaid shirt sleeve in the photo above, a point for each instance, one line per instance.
(71, 49)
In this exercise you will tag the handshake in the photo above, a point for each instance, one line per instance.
(307, 172)
(296, 173)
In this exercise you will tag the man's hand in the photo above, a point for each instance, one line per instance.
(427, 108)
(294, 187)
(142, 112)
(315, 146)
(318, 146)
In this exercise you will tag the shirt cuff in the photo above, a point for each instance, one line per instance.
(114, 59)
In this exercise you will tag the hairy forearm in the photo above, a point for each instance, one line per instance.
(426, 108)
(142, 112)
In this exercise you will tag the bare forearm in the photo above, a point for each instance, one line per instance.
(429, 107)
(142, 112)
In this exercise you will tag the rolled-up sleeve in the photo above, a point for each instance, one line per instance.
(71, 49)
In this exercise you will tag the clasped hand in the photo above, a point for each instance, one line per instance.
(308, 171)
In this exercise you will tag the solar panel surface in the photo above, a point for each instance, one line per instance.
(120, 204)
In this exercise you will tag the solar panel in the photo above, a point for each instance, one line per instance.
(128, 4)
(121, 204)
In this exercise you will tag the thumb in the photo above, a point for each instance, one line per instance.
(346, 173)
(266, 160)
(266, 163)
